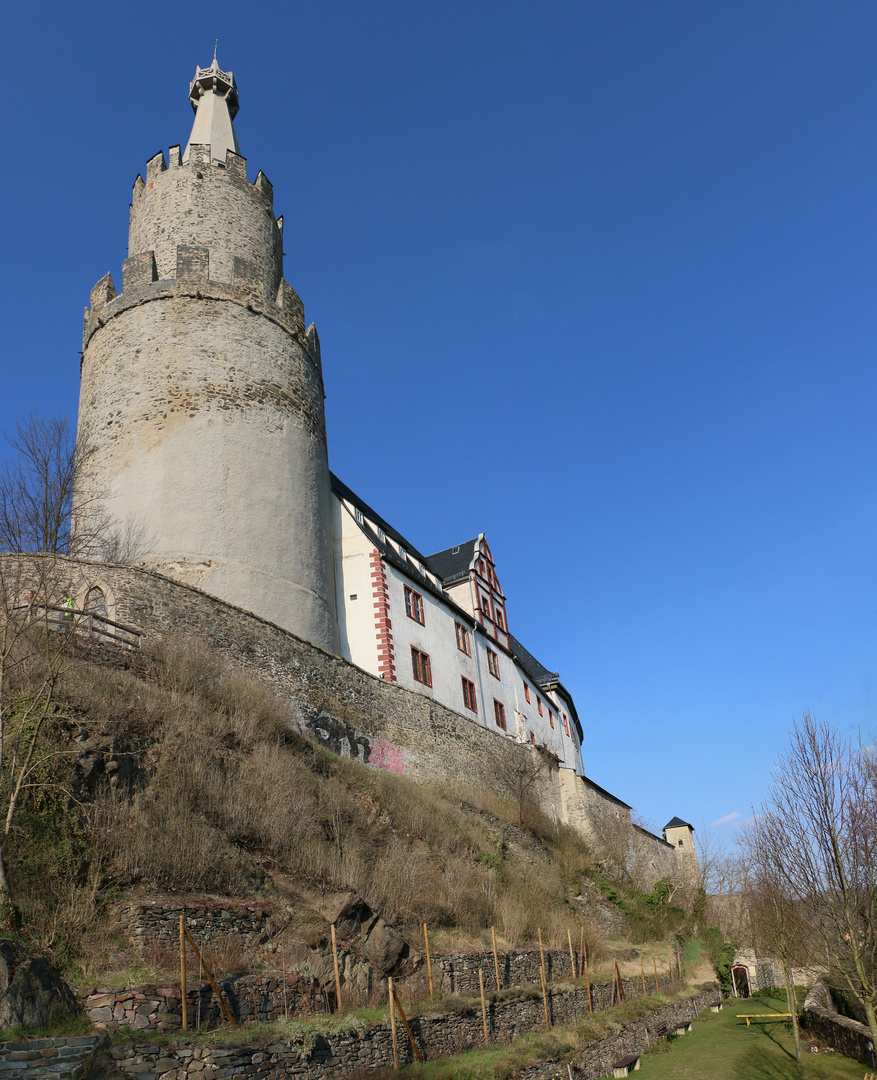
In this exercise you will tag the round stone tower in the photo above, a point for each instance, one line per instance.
(201, 416)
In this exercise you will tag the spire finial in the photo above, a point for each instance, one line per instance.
(214, 97)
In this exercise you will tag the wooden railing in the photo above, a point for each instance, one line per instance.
(88, 623)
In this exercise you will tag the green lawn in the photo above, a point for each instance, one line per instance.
(721, 1047)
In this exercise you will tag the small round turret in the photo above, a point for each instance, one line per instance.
(202, 393)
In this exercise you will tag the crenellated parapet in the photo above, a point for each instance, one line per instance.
(208, 203)
(192, 278)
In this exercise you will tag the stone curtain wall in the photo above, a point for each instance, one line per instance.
(848, 1036)
(438, 1034)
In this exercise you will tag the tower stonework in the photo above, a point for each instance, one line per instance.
(201, 404)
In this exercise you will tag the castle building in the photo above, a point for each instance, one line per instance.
(201, 410)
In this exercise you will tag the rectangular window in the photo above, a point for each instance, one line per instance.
(493, 663)
(499, 616)
(539, 703)
(414, 605)
(463, 639)
(469, 699)
(566, 723)
(499, 713)
(420, 663)
(527, 693)
(551, 717)
(532, 738)
(485, 607)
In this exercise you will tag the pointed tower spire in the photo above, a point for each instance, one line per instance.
(214, 97)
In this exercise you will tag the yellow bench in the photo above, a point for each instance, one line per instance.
(763, 1016)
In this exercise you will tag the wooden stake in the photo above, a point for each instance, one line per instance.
(572, 955)
(542, 955)
(545, 1001)
(216, 987)
(495, 959)
(588, 985)
(337, 972)
(657, 988)
(621, 996)
(483, 1006)
(184, 1001)
(393, 1025)
(642, 972)
(581, 952)
(428, 960)
(407, 1027)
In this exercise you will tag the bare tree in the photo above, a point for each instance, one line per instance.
(817, 831)
(32, 660)
(778, 920)
(36, 486)
(45, 489)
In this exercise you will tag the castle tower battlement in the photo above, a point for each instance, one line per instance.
(201, 401)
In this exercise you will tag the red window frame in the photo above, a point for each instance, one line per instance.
(414, 605)
(551, 717)
(493, 663)
(421, 665)
(566, 723)
(469, 698)
(463, 643)
(499, 714)
(539, 703)
(499, 616)
(527, 693)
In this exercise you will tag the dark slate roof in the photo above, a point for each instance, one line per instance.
(453, 562)
(537, 672)
(678, 823)
(344, 492)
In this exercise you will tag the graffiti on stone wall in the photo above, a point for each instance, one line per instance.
(386, 756)
(342, 738)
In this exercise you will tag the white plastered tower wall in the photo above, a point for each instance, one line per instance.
(202, 393)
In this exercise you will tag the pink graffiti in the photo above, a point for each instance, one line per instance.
(383, 755)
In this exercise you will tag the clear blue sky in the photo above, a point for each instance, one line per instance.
(597, 279)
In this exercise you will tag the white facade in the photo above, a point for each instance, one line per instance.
(398, 620)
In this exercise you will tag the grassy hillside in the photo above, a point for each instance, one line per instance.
(168, 773)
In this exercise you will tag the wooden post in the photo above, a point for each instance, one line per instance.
(542, 955)
(184, 1001)
(588, 985)
(216, 987)
(495, 959)
(582, 952)
(428, 960)
(407, 1025)
(657, 988)
(393, 1025)
(621, 996)
(483, 1006)
(572, 955)
(642, 972)
(337, 972)
(545, 1001)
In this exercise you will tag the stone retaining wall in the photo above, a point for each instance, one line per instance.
(158, 925)
(253, 999)
(50, 1059)
(848, 1036)
(439, 1035)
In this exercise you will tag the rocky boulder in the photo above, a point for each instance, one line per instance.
(32, 993)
